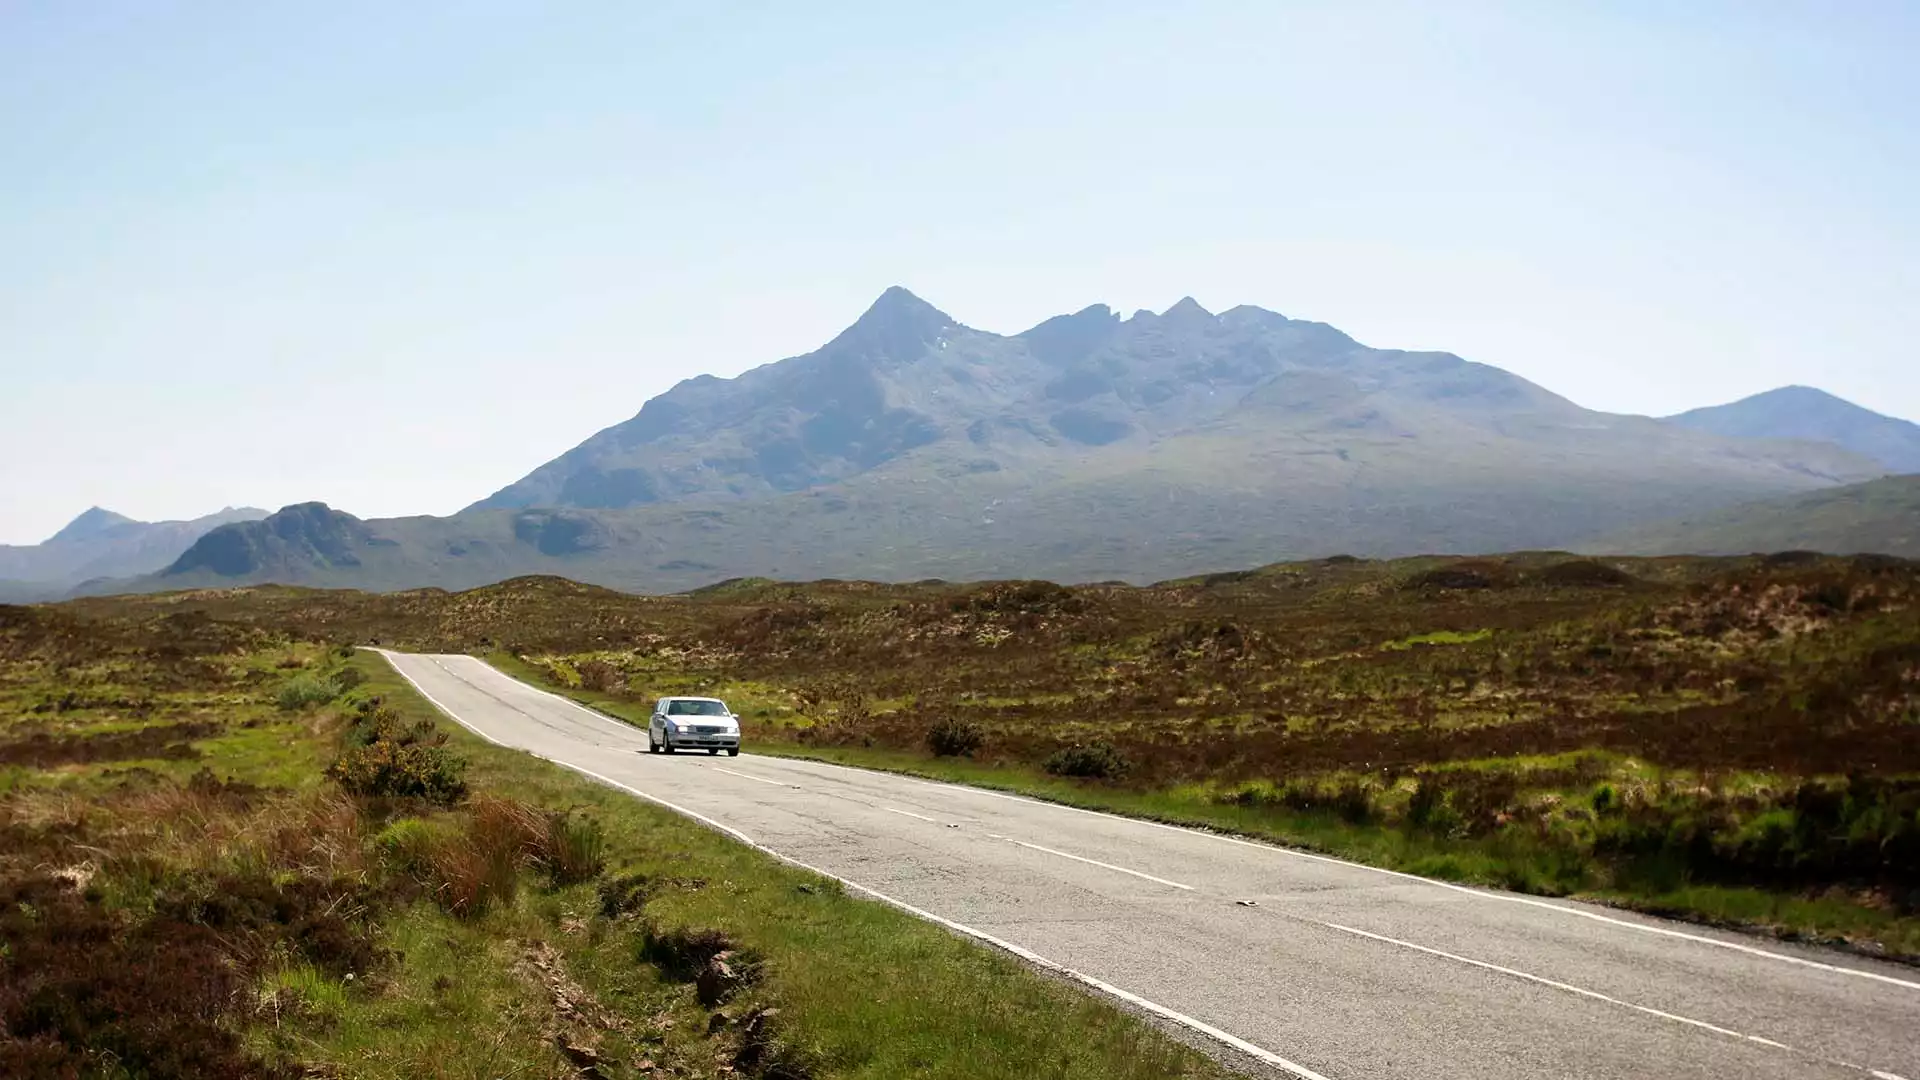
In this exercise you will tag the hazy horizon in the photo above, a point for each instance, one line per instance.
(392, 259)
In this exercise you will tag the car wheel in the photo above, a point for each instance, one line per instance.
(666, 746)
(733, 751)
(652, 747)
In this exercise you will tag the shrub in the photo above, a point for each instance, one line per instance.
(600, 676)
(1092, 761)
(388, 757)
(306, 690)
(575, 849)
(568, 850)
(472, 876)
(954, 737)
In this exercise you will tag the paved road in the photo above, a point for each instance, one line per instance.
(1319, 968)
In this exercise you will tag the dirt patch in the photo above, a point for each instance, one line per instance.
(43, 750)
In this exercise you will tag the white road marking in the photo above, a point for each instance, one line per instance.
(1481, 894)
(1258, 1053)
(909, 813)
(1093, 862)
(1595, 995)
(630, 729)
(750, 776)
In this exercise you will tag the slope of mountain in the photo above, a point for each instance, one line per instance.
(102, 544)
(1802, 412)
(1089, 447)
(1880, 516)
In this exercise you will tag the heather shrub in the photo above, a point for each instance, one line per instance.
(953, 737)
(388, 756)
(1092, 761)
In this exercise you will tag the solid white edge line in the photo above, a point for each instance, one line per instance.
(749, 776)
(1463, 889)
(1258, 1053)
(1095, 862)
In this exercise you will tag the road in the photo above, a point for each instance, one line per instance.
(1312, 966)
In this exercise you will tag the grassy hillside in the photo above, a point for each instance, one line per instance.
(1879, 516)
(229, 850)
(1731, 739)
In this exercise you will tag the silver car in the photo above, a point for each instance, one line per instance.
(693, 723)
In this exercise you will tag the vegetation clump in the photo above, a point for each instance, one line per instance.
(955, 737)
(1090, 761)
(389, 756)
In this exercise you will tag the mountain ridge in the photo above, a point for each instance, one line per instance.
(907, 380)
(1808, 413)
(99, 543)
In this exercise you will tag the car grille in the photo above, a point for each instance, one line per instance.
(704, 730)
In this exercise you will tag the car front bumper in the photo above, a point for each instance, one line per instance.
(688, 740)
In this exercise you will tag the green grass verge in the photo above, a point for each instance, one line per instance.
(870, 991)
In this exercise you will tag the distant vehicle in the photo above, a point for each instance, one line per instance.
(693, 723)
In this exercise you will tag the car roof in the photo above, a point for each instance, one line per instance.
(683, 697)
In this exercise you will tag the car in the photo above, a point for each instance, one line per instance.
(693, 723)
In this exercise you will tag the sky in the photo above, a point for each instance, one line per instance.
(394, 256)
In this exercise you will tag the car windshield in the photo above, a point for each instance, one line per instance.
(696, 708)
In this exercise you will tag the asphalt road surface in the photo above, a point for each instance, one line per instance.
(1311, 966)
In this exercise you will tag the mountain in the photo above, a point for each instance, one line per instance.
(909, 395)
(1088, 447)
(1880, 516)
(101, 544)
(1802, 412)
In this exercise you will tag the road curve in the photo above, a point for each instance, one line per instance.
(1316, 967)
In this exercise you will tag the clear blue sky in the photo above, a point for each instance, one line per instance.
(393, 256)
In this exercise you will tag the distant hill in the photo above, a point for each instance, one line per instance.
(102, 544)
(1090, 447)
(1881, 516)
(1802, 412)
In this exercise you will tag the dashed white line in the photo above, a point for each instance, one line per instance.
(750, 776)
(1596, 996)
(1095, 862)
(1482, 894)
(909, 813)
